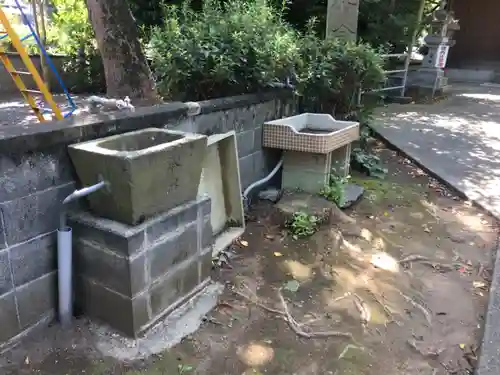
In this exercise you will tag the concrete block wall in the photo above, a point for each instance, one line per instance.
(36, 174)
(32, 187)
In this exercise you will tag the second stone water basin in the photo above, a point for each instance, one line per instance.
(149, 171)
(309, 132)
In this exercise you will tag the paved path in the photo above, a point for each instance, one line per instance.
(458, 140)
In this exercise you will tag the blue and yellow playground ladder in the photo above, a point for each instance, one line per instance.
(7, 31)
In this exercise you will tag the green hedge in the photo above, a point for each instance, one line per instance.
(246, 47)
(226, 48)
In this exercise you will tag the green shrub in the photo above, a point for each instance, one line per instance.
(21, 31)
(331, 72)
(302, 225)
(71, 34)
(335, 190)
(235, 48)
(246, 47)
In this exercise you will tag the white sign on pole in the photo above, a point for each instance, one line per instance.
(442, 55)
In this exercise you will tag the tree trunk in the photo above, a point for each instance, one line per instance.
(125, 67)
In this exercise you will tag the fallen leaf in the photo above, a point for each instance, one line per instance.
(244, 243)
(346, 349)
(479, 284)
(182, 369)
(292, 286)
(462, 346)
(277, 254)
(386, 214)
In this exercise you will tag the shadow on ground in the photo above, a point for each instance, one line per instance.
(457, 138)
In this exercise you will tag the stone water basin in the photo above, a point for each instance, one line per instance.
(313, 145)
(317, 133)
(149, 171)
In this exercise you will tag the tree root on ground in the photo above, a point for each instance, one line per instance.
(346, 349)
(431, 353)
(389, 313)
(296, 327)
(418, 306)
(339, 216)
(415, 258)
(344, 296)
(363, 309)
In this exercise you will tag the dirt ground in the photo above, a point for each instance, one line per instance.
(402, 290)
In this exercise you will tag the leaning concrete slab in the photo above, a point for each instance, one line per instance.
(458, 141)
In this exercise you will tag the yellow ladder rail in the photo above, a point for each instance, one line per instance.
(20, 85)
(32, 71)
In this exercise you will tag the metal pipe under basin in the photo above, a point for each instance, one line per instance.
(65, 256)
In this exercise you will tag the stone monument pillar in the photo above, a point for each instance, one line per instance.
(431, 74)
(342, 19)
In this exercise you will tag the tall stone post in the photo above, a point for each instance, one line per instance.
(342, 19)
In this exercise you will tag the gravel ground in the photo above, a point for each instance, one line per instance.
(15, 111)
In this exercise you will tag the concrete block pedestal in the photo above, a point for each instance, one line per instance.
(305, 171)
(310, 172)
(129, 277)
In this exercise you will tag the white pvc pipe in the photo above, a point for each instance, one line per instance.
(65, 275)
(84, 192)
(262, 181)
(65, 256)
